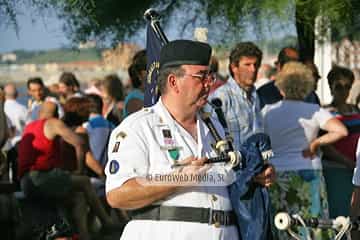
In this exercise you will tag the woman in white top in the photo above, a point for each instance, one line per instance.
(293, 127)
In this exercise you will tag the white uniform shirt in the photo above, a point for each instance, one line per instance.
(18, 116)
(292, 125)
(356, 177)
(139, 146)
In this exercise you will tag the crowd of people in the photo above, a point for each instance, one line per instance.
(55, 148)
(98, 149)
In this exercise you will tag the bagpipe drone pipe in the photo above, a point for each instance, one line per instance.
(343, 225)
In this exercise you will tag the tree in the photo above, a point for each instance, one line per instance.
(114, 20)
(339, 12)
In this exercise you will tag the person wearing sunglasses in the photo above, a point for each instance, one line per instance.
(339, 158)
(166, 202)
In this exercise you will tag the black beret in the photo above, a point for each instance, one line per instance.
(180, 52)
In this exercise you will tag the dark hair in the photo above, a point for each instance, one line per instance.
(140, 59)
(113, 86)
(137, 66)
(76, 111)
(69, 79)
(96, 103)
(338, 73)
(214, 64)
(244, 49)
(287, 54)
(164, 73)
(134, 76)
(35, 80)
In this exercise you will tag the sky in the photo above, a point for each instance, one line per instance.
(44, 33)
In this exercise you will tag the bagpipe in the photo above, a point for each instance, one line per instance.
(343, 225)
(223, 146)
(249, 199)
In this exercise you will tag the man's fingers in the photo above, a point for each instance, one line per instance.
(187, 160)
(193, 161)
(198, 161)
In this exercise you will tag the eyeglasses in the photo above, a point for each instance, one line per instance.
(204, 76)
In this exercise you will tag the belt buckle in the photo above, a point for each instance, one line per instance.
(216, 218)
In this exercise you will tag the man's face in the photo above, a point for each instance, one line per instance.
(341, 89)
(36, 91)
(245, 71)
(195, 85)
(65, 90)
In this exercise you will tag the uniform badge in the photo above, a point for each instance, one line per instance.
(174, 153)
(121, 134)
(116, 147)
(114, 167)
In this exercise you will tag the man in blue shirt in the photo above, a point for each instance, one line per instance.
(240, 102)
(98, 129)
(241, 107)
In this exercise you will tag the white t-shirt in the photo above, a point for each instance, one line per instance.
(292, 125)
(356, 177)
(18, 116)
(139, 147)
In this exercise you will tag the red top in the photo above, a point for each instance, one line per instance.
(36, 151)
(347, 145)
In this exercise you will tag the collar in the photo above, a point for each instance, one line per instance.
(167, 119)
(239, 90)
(10, 100)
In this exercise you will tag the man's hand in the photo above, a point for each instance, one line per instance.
(193, 167)
(267, 177)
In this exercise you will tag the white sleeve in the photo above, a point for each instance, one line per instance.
(356, 176)
(322, 116)
(127, 157)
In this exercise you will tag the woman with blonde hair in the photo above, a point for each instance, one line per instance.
(293, 126)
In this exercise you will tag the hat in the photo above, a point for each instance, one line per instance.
(180, 52)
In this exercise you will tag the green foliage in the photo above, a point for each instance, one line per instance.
(103, 19)
(350, 27)
(114, 20)
(8, 12)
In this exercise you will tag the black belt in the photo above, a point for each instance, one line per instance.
(185, 214)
